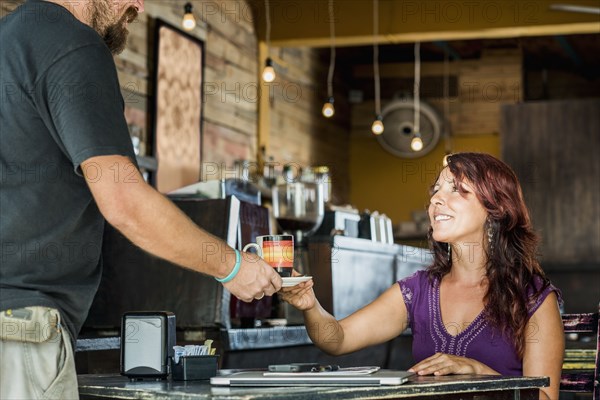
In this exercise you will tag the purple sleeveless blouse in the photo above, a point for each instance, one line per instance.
(479, 340)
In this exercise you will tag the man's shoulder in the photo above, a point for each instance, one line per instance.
(45, 25)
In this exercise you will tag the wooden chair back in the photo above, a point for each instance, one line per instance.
(581, 366)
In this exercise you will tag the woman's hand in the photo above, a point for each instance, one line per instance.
(445, 364)
(300, 296)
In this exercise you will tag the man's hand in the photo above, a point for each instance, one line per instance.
(255, 279)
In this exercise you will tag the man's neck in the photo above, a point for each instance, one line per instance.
(77, 8)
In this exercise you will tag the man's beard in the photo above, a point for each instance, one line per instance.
(114, 33)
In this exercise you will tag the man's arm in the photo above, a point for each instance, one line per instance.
(153, 223)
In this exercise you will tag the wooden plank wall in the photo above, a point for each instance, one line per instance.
(483, 85)
(299, 133)
(553, 147)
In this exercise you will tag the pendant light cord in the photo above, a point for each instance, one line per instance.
(417, 103)
(268, 25)
(447, 141)
(376, 57)
(332, 51)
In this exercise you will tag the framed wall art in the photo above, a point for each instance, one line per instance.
(178, 110)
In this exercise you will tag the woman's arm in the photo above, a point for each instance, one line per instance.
(545, 346)
(380, 321)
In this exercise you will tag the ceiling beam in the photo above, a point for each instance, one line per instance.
(306, 23)
(411, 37)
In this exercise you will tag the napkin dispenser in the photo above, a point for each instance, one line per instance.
(147, 340)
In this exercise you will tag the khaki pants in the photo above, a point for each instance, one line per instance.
(36, 356)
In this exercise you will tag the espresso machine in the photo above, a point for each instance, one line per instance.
(298, 208)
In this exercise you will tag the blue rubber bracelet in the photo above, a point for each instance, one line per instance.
(235, 270)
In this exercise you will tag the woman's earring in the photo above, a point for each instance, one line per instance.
(449, 252)
(490, 235)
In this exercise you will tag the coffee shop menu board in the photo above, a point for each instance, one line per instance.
(178, 108)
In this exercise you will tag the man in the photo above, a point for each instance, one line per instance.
(66, 161)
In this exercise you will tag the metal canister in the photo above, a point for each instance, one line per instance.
(321, 175)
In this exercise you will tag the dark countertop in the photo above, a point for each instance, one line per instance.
(234, 339)
(264, 338)
(116, 386)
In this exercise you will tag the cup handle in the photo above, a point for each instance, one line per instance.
(257, 247)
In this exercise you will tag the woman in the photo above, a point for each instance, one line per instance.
(483, 307)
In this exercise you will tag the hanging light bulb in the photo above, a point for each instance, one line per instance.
(188, 22)
(445, 160)
(377, 127)
(416, 144)
(328, 109)
(268, 74)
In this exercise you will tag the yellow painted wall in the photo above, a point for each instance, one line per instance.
(383, 182)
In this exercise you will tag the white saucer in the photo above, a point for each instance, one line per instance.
(294, 280)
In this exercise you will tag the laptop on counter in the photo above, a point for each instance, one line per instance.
(334, 378)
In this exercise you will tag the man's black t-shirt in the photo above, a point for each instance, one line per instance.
(60, 105)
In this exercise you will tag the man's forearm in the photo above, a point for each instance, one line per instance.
(150, 220)
(156, 225)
